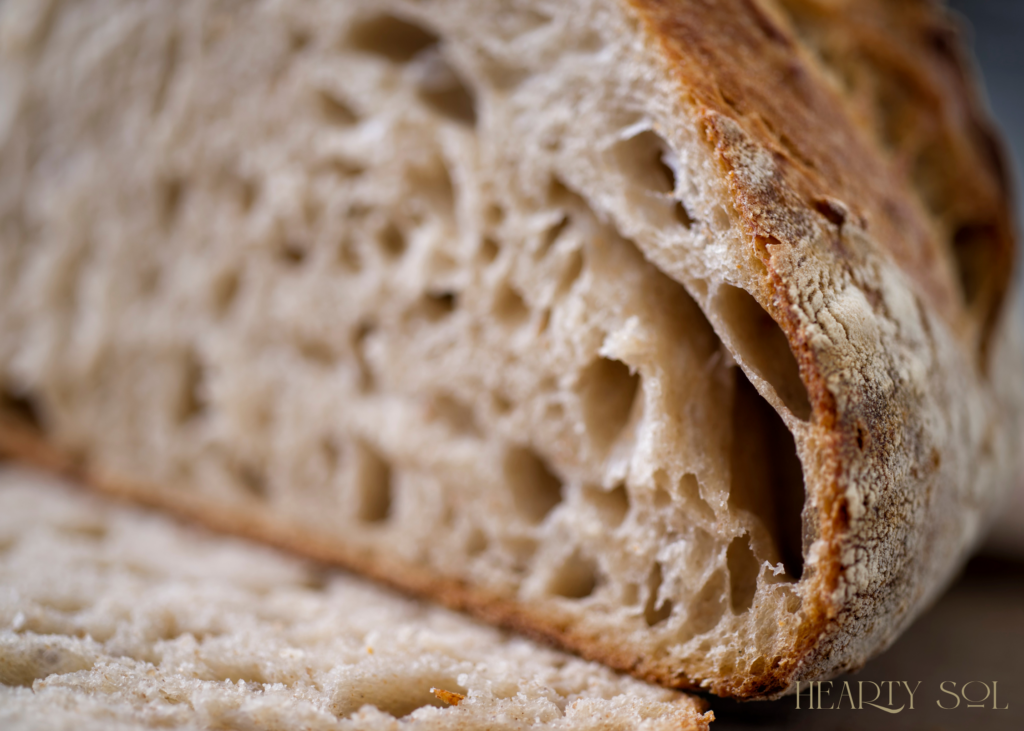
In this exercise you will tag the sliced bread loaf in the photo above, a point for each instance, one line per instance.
(672, 332)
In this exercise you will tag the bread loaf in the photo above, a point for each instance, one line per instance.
(111, 618)
(673, 332)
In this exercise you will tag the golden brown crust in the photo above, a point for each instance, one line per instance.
(833, 183)
(742, 60)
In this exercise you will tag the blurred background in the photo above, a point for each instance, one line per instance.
(975, 632)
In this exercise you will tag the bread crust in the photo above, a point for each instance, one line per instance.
(825, 205)
(908, 373)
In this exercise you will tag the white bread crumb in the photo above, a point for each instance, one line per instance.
(116, 618)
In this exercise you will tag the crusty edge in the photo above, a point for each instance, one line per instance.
(779, 184)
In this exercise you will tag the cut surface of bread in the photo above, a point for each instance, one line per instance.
(115, 618)
(672, 332)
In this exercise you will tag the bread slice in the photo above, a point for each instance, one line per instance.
(112, 618)
(672, 332)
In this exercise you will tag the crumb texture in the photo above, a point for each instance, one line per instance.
(349, 281)
(112, 618)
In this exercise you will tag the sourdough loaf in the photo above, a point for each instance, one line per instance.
(673, 332)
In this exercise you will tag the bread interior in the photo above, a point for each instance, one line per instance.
(454, 286)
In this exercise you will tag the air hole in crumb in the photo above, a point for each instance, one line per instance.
(554, 412)
(348, 256)
(476, 542)
(607, 392)
(689, 489)
(234, 668)
(521, 550)
(225, 290)
(246, 192)
(543, 321)
(551, 235)
(397, 695)
(562, 196)
(656, 608)
(509, 306)
(191, 397)
(334, 109)
(662, 498)
(316, 350)
(572, 271)
(708, 606)
(298, 39)
(536, 490)
(763, 346)
(683, 216)
(291, 253)
(489, 250)
(344, 167)
(253, 480)
(454, 414)
(439, 305)
(767, 477)
(641, 158)
(611, 505)
(374, 485)
(455, 102)
(391, 240)
(367, 379)
(393, 38)
(171, 193)
(434, 183)
(720, 219)
(22, 406)
(576, 578)
(441, 86)
(644, 160)
(743, 570)
(494, 215)
(501, 404)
